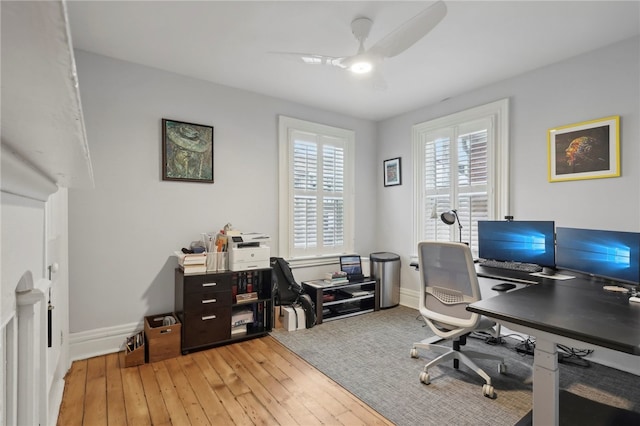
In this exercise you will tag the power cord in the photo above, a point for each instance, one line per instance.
(526, 347)
(488, 338)
(574, 356)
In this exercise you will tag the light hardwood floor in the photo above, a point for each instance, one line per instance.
(257, 382)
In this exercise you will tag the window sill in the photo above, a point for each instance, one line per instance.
(310, 262)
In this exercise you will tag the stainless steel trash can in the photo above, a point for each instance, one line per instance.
(385, 267)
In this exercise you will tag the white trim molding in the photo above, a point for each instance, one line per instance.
(100, 341)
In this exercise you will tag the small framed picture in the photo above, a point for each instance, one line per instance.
(187, 151)
(392, 170)
(587, 150)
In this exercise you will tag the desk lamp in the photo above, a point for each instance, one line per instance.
(450, 218)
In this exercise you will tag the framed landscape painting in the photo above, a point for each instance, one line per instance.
(187, 151)
(587, 150)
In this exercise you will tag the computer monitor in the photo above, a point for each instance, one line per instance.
(607, 254)
(517, 241)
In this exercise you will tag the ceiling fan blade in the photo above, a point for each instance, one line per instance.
(410, 32)
(313, 58)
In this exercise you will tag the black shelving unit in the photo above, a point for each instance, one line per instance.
(207, 306)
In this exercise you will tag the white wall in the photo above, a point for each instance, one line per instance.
(122, 233)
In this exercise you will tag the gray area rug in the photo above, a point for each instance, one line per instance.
(369, 356)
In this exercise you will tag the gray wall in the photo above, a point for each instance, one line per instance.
(595, 85)
(123, 233)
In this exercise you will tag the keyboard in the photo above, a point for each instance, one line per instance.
(512, 266)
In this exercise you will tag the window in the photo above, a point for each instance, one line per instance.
(461, 163)
(316, 190)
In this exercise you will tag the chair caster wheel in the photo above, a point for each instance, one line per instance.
(424, 378)
(414, 353)
(488, 391)
(502, 368)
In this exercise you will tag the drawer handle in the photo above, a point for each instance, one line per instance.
(209, 284)
(208, 317)
(210, 301)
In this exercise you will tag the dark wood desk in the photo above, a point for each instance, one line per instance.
(576, 313)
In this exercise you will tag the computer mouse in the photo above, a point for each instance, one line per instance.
(503, 287)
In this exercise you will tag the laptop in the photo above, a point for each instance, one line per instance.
(352, 265)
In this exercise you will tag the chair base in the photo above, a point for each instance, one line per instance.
(466, 357)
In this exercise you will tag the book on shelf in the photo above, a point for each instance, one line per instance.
(194, 269)
(337, 281)
(191, 258)
(357, 292)
(247, 297)
(337, 275)
(238, 330)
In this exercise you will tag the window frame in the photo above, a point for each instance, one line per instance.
(497, 159)
(286, 128)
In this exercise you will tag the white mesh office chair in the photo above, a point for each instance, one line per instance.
(448, 284)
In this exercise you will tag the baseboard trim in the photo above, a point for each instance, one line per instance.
(409, 298)
(100, 341)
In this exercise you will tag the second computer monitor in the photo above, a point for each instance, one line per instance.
(607, 254)
(517, 241)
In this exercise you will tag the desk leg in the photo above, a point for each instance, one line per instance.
(546, 380)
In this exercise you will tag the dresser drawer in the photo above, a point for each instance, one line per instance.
(207, 283)
(206, 301)
(206, 328)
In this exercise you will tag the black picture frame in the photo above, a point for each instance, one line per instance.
(187, 151)
(392, 171)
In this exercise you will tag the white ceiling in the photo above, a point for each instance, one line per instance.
(476, 44)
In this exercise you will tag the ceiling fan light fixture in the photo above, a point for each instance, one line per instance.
(361, 67)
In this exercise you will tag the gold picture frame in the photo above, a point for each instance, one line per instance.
(586, 150)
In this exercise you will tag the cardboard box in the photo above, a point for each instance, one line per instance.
(294, 318)
(163, 341)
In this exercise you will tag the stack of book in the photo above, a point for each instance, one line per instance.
(194, 263)
(338, 277)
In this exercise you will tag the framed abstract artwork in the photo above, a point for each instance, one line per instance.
(392, 170)
(587, 150)
(187, 151)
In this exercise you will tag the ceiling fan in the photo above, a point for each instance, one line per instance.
(366, 60)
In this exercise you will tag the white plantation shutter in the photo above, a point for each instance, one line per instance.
(458, 162)
(314, 179)
(305, 182)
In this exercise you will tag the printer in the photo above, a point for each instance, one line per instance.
(248, 251)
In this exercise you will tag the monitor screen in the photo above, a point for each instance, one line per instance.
(351, 265)
(517, 241)
(607, 254)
